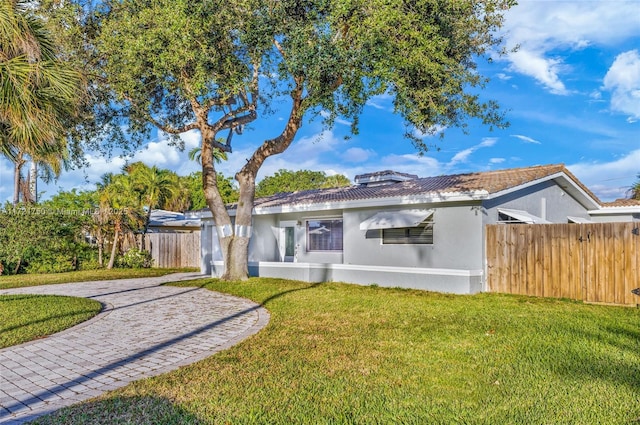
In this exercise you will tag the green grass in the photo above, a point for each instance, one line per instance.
(27, 317)
(345, 354)
(18, 281)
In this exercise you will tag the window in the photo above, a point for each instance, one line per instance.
(421, 235)
(324, 235)
(508, 216)
(504, 218)
(289, 242)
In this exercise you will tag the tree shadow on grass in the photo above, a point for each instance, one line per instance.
(263, 303)
(139, 410)
(76, 316)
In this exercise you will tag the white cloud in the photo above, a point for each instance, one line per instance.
(623, 81)
(314, 144)
(609, 180)
(159, 154)
(487, 142)
(503, 76)
(544, 70)
(357, 154)
(432, 132)
(463, 155)
(526, 139)
(541, 29)
(496, 160)
(382, 102)
(422, 166)
(326, 114)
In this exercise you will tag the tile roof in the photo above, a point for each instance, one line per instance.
(489, 181)
(622, 203)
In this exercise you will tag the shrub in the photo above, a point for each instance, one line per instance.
(135, 259)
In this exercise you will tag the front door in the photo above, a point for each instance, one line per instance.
(287, 242)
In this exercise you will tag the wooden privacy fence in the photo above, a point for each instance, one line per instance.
(171, 250)
(593, 262)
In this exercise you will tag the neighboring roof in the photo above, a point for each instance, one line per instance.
(618, 207)
(622, 203)
(163, 218)
(470, 186)
(389, 176)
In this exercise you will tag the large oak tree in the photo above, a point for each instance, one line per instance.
(216, 66)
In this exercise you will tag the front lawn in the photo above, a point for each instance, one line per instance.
(27, 317)
(335, 353)
(20, 280)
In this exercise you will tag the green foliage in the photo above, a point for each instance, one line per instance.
(39, 239)
(422, 53)
(291, 181)
(634, 192)
(135, 259)
(226, 186)
(39, 92)
(214, 67)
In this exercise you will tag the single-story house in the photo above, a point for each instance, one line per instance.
(396, 229)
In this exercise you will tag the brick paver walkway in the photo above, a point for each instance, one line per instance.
(144, 330)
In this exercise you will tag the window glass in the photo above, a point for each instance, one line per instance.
(289, 246)
(324, 235)
(422, 235)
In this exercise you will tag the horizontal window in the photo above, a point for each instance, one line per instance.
(422, 235)
(324, 235)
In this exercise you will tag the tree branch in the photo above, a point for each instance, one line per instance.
(172, 130)
(280, 143)
(164, 127)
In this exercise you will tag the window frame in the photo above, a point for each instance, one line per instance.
(332, 244)
(412, 235)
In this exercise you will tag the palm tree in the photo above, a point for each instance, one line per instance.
(37, 90)
(195, 154)
(119, 202)
(180, 200)
(634, 192)
(101, 215)
(154, 186)
(46, 164)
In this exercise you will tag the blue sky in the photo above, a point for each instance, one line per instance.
(571, 93)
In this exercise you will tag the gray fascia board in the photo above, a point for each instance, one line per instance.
(375, 202)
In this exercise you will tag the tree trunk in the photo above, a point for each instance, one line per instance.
(237, 259)
(100, 241)
(234, 270)
(114, 248)
(234, 240)
(146, 229)
(17, 178)
(33, 182)
(17, 269)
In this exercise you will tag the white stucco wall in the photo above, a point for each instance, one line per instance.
(457, 243)
(545, 200)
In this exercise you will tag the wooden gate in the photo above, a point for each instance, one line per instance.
(174, 250)
(593, 262)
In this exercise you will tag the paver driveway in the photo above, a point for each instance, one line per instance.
(144, 329)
